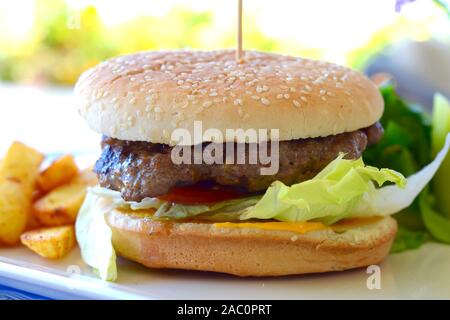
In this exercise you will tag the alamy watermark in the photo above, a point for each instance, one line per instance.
(234, 146)
(374, 280)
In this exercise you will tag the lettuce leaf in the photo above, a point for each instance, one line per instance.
(333, 194)
(411, 139)
(94, 236)
(437, 225)
(407, 239)
(441, 127)
(344, 189)
(229, 210)
(407, 136)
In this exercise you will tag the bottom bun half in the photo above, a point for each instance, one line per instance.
(247, 251)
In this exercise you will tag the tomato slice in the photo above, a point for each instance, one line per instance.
(201, 194)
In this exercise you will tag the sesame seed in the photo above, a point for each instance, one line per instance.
(265, 101)
(238, 102)
(296, 103)
(207, 104)
(286, 96)
(308, 88)
(255, 97)
(322, 92)
(303, 98)
(324, 98)
(292, 89)
(280, 96)
(259, 89)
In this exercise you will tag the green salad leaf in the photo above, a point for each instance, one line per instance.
(441, 127)
(411, 139)
(405, 146)
(437, 224)
(407, 239)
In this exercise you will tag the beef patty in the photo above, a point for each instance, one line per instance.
(142, 169)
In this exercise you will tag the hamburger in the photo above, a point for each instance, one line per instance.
(317, 213)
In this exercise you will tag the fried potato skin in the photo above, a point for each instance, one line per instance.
(60, 172)
(61, 205)
(19, 170)
(50, 243)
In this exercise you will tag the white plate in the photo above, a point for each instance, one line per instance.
(418, 274)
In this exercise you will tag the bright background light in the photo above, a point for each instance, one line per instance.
(76, 34)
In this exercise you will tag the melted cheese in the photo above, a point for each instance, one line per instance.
(299, 227)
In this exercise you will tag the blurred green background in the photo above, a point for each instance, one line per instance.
(53, 41)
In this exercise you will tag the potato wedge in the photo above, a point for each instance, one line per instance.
(19, 170)
(60, 172)
(51, 243)
(61, 205)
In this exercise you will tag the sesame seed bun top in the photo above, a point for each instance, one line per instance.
(145, 96)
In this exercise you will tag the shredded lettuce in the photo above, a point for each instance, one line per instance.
(229, 210)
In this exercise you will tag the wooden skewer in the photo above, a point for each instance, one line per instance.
(239, 34)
